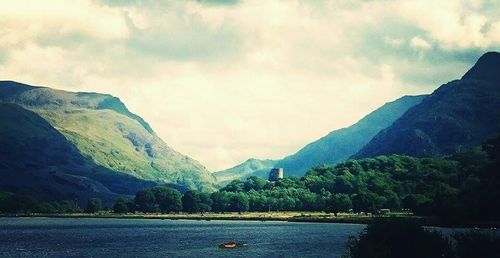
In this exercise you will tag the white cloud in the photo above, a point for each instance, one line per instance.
(417, 42)
(223, 83)
(454, 23)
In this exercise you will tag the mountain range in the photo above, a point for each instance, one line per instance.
(67, 144)
(76, 145)
(458, 114)
(335, 147)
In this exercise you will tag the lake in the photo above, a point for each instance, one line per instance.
(95, 237)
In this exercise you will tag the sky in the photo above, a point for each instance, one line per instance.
(224, 81)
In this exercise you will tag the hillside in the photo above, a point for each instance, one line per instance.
(335, 147)
(459, 187)
(104, 131)
(341, 144)
(251, 167)
(460, 113)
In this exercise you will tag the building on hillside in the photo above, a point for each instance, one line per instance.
(276, 173)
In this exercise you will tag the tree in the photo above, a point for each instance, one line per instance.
(255, 183)
(220, 201)
(168, 199)
(257, 202)
(191, 201)
(234, 186)
(66, 206)
(367, 202)
(339, 203)
(145, 201)
(17, 203)
(205, 202)
(238, 202)
(120, 206)
(418, 203)
(93, 205)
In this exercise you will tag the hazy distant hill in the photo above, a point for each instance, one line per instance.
(460, 113)
(100, 129)
(251, 167)
(335, 147)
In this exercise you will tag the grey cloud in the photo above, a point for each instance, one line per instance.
(415, 67)
(185, 41)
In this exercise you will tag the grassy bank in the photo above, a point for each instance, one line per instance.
(319, 217)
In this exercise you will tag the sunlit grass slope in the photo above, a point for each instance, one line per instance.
(105, 131)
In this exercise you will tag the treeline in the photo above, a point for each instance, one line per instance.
(464, 186)
(17, 203)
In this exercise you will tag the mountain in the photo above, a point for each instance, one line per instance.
(102, 135)
(251, 167)
(337, 146)
(340, 144)
(38, 159)
(460, 113)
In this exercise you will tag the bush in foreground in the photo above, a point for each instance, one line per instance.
(398, 238)
(475, 244)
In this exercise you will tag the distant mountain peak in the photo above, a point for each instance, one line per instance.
(487, 68)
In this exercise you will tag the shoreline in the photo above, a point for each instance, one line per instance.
(264, 216)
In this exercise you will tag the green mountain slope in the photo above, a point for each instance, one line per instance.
(37, 159)
(335, 147)
(341, 144)
(460, 113)
(103, 130)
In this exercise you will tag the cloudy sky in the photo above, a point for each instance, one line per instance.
(223, 81)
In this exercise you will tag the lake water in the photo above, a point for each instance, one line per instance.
(68, 237)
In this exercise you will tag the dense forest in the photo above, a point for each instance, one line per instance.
(461, 186)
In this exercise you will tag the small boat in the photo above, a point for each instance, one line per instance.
(232, 244)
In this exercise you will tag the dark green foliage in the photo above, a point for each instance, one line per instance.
(339, 203)
(145, 201)
(220, 201)
(66, 206)
(396, 239)
(120, 206)
(93, 205)
(205, 202)
(191, 201)
(386, 238)
(234, 186)
(238, 202)
(168, 199)
(157, 199)
(455, 188)
(16, 203)
(256, 183)
(477, 245)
